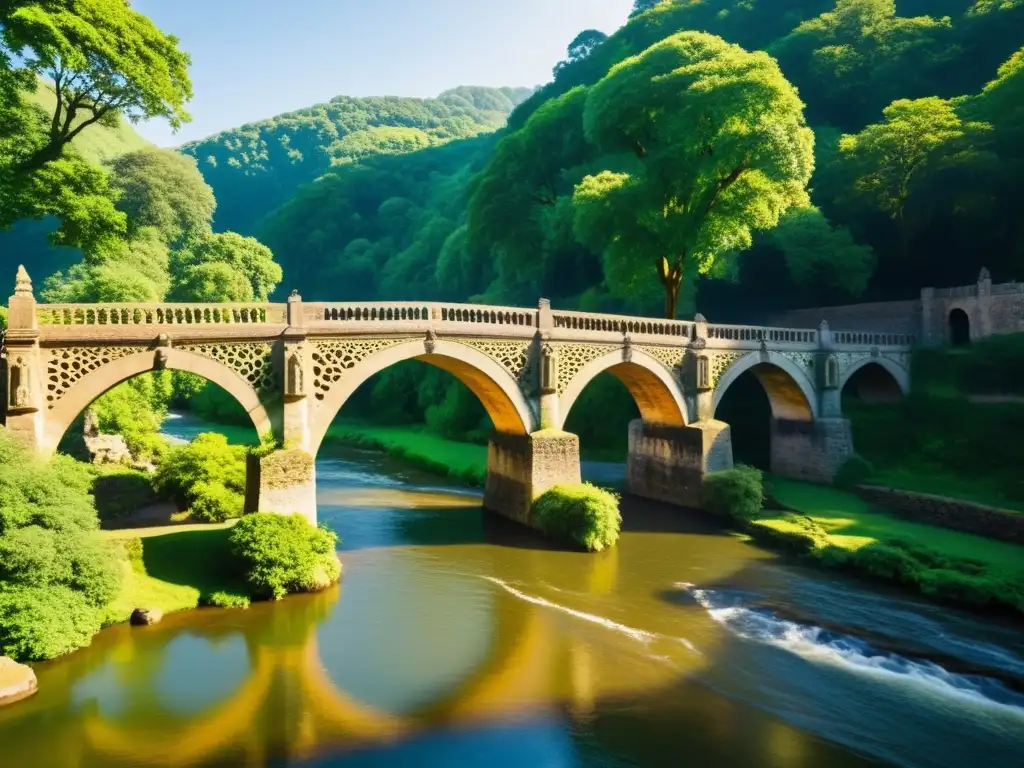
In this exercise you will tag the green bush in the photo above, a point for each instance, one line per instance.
(887, 561)
(584, 514)
(214, 502)
(226, 600)
(855, 471)
(206, 476)
(119, 492)
(56, 570)
(960, 587)
(279, 554)
(736, 493)
(42, 622)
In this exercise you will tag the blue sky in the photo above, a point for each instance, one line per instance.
(253, 59)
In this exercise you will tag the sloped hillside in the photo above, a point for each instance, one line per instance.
(257, 167)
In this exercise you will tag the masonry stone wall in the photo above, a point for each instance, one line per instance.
(522, 467)
(810, 450)
(887, 316)
(668, 464)
(949, 513)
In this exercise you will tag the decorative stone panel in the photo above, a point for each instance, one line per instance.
(331, 359)
(514, 356)
(66, 365)
(670, 357)
(572, 358)
(251, 360)
(720, 362)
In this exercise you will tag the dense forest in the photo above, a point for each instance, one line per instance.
(734, 156)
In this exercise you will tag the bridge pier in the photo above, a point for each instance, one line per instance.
(522, 467)
(810, 450)
(282, 482)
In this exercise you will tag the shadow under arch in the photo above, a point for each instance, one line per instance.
(495, 387)
(95, 383)
(877, 380)
(655, 390)
(790, 390)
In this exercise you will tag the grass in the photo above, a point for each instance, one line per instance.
(174, 568)
(852, 524)
(465, 462)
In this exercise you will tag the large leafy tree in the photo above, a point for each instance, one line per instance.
(224, 267)
(889, 162)
(163, 190)
(104, 60)
(713, 146)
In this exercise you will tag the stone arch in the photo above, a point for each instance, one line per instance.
(655, 390)
(790, 391)
(497, 390)
(878, 379)
(99, 381)
(958, 323)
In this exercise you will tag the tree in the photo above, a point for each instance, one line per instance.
(717, 148)
(581, 47)
(224, 267)
(641, 6)
(820, 254)
(888, 161)
(103, 58)
(162, 189)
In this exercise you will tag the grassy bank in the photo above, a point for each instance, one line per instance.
(839, 530)
(173, 568)
(463, 462)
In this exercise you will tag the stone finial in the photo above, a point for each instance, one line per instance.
(22, 283)
(984, 275)
(544, 304)
(699, 318)
(823, 325)
(294, 295)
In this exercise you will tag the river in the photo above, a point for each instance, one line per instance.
(459, 639)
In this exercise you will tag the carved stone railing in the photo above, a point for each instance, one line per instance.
(158, 314)
(960, 292)
(757, 334)
(868, 339)
(622, 324)
(418, 312)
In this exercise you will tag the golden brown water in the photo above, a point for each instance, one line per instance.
(457, 638)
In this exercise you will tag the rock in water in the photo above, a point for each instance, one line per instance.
(142, 617)
(17, 681)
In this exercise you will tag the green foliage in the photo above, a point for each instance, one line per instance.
(120, 492)
(206, 476)
(224, 267)
(855, 471)
(736, 493)
(221, 599)
(279, 554)
(583, 514)
(42, 622)
(56, 572)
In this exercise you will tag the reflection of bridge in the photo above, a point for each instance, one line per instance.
(292, 366)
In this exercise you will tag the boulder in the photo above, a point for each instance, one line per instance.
(108, 449)
(143, 617)
(17, 681)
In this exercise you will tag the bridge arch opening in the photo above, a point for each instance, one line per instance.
(753, 395)
(872, 384)
(64, 408)
(959, 328)
(501, 397)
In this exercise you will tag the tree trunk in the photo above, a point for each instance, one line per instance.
(671, 279)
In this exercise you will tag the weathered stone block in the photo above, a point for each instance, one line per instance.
(17, 681)
(668, 464)
(522, 467)
(143, 617)
(810, 450)
(283, 482)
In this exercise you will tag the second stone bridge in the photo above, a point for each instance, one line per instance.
(293, 365)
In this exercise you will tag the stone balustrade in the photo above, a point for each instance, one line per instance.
(158, 314)
(759, 334)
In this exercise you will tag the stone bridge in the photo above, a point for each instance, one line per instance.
(293, 365)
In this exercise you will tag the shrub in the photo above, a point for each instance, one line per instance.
(56, 571)
(119, 491)
(225, 600)
(961, 587)
(206, 476)
(736, 493)
(887, 561)
(584, 514)
(855, 471)
(278, 554)
(214, 503)
(42, 622)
